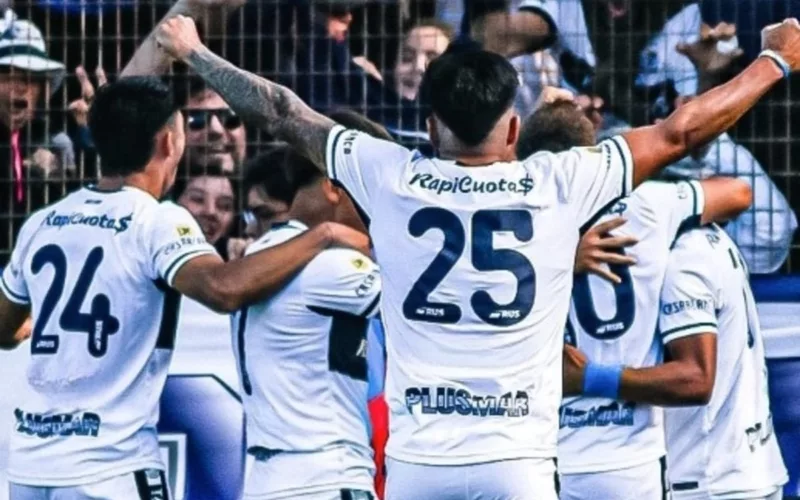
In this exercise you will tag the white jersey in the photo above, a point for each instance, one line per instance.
(616, 324)
(727, 447)
(303, 368)
(477, 268)
(96, 269)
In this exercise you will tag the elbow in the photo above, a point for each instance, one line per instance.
(741, 198)
(224, 298)
(221, 296)
(698, 389)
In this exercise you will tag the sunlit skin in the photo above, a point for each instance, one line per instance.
(214, 144)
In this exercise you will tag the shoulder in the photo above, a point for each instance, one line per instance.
(699, 250)
(279, 233)
(338, 262)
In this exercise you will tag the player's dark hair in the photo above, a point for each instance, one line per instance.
(469, 90)
(554, 127)
(125, 118)
(281, 172)
(356, 121)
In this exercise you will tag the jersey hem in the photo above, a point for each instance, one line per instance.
(471, 459)
(94, 477)
(591, 468)
(294, 492)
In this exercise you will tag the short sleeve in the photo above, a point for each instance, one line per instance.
(12, 279)
(12, 282)
(342, 280)
(597, 176)
(678, 206)
(173, 238)
(688, 299)
(361, 164)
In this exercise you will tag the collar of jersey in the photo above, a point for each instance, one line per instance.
(293, 223)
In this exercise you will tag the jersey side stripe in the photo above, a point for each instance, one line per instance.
(169, 317)
(372, 306)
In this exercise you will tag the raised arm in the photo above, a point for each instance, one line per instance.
(710, 114)
(272, 107)
(150, 60)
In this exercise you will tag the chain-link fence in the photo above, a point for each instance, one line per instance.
(632, 62)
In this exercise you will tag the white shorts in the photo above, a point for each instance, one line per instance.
(642, 482)
(523, 479)
(140, 485)
(334, 474)
(704, 495)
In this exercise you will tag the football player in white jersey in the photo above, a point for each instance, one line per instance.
(100, 272)
(302, 353)
(614, 449)
(477, 251)
(726, 448)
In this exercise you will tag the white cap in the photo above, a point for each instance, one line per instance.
(22, 46)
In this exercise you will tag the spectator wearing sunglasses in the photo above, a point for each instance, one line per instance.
(215, 135)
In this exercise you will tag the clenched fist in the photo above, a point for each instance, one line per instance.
(178, 37)
(784, 38)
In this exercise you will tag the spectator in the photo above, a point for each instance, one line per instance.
(624, 52)
(32, 162)
(215, 136)
(425, 41)
(208, 194)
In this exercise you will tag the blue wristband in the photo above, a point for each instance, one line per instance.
(779, 60)
(602, 380)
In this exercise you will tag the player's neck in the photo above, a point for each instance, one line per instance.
(138, 181)
(477, 159)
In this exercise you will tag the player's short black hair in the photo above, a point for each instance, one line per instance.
(469, 90)
(125, 118)
(281, 172)
(554, 127)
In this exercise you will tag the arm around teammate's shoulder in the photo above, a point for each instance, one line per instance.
(226, 287)
(715, 111)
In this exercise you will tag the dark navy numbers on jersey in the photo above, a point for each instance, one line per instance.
(590, 321)
(417, 305)
(98, 323)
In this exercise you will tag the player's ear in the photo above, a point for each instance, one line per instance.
(332, 193)
(514, 126)
(433, 132)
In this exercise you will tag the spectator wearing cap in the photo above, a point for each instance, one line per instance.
(31, 162)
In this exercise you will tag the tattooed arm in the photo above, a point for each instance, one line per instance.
(272, 107)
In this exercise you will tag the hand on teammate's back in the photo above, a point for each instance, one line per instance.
(784, 38)
(178, 36)
(598, 249)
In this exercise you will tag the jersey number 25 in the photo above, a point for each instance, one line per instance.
(417, 305)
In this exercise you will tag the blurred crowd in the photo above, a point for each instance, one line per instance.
(631, 62)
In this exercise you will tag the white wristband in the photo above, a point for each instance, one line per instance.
(779, 60)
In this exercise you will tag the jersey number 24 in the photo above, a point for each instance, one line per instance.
(98, 324)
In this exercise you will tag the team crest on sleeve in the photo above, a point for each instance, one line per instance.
(359, 263)
(184, 230)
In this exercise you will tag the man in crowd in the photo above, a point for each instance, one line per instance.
(30, 170)
(502, 439)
